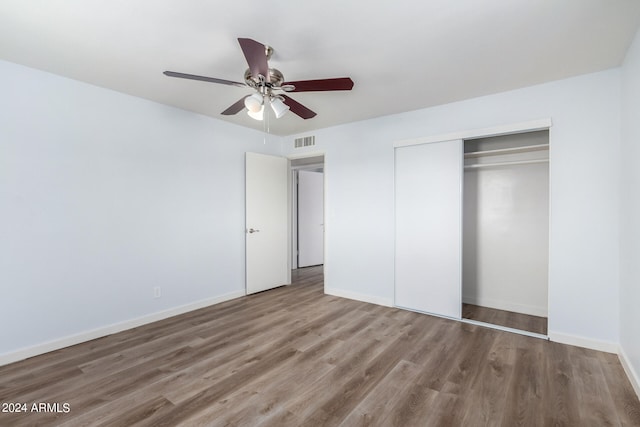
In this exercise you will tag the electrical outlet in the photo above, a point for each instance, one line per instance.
(157, 292)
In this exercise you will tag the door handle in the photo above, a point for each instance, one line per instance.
(251, 230)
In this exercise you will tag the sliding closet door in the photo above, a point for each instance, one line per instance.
(428, 258)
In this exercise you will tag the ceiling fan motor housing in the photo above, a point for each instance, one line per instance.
(275, 79)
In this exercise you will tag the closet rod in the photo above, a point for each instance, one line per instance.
(520, 162)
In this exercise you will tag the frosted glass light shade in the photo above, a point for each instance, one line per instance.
(279, 107)
(257, 115)
(253, 102)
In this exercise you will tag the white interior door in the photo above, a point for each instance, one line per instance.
(267, 214)
(428, 258)
(310, 218)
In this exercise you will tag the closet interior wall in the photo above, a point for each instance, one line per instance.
(506, 223)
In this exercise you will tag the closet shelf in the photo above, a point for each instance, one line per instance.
(520, 162)
(524, 149)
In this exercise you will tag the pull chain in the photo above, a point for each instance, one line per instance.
(266, 123)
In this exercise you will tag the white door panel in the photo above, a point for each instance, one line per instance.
(266, 222)
(310, 218)
(428, 191)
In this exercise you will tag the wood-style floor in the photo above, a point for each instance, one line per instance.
(509, 319)
(293, 356)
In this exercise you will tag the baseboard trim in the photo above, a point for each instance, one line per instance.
(633, 376)
(358, 297)
(70, 340)
(507, 306)
(578, 341)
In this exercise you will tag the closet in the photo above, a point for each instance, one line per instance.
(505, 237)
(472, 227)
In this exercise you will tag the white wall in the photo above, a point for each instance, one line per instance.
(584, 196)
(104, 196)
(630, 214)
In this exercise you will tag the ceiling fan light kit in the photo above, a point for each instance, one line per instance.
(255, 105)
(269, 83)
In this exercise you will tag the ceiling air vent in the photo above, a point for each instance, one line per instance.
(306, 141)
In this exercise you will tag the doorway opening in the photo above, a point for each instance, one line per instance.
(307, 204)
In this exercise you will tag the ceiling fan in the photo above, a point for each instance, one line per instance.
(269, 85)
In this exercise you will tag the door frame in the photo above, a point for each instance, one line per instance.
(295, 210)
(293, 201)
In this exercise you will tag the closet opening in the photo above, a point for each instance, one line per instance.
(505, 231)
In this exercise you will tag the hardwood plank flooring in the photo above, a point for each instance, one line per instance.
(510, 319)
(293, 356)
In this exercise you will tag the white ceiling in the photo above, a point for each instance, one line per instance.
(402, 55)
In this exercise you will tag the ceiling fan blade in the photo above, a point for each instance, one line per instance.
(204, 79)
(298, 108)
(256, 55)
(340, 83)
(235, 108)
